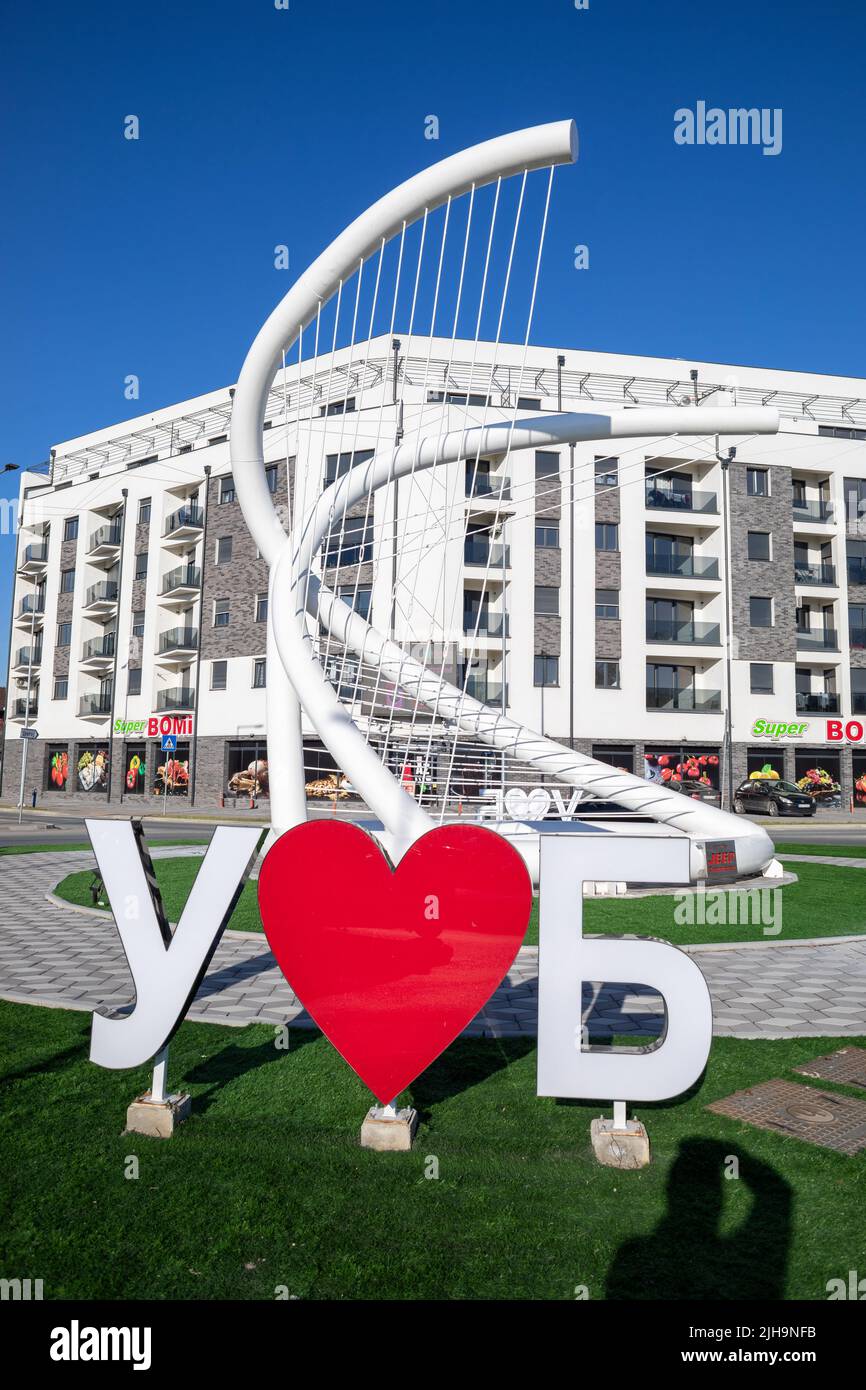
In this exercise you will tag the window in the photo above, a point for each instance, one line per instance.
(350, 543)
(70, 528)
(855, 500)
(223, 550)
(759, 545)
(64, 634)
(227, 489)
(218, 673)
(338, 464)
(271, 477)
(546, 464)
(141, 565)
(260, 669)
(546, 670)
(760, 612)
(221, 612)
(760, 678)
(607, 675)
(841, 432)
(261, 608)
(547, 535)
(528, 402)
(338, 407)
(758, 482)
(547, 599)
(607, 603)
(144, 511)
(138, 623)
(606, 472)
(357, 598)
(61, 688)
(67, 581)
(606, 535)
(133, 681)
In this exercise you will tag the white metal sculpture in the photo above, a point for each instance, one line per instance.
(296, 678)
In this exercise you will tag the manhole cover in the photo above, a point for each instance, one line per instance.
(818, 1117)
(847, 1066)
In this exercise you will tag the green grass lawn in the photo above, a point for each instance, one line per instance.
(832, 851)
(47, 847)
(266, 1185)
(826, 901)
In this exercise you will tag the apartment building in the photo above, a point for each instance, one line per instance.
(589, 596)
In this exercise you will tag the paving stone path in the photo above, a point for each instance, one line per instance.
(64, 958)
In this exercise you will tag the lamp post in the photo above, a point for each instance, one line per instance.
(728, 781)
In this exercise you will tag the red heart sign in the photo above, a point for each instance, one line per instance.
(393, 963)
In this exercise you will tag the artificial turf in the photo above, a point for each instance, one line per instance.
(265, 1192)
(826, 901)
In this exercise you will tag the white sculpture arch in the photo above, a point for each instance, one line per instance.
(295, 677)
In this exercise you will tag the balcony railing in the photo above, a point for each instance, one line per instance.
(183, 639)
(697, 634)
(857, 636)
(20, 709)
(28, 656)
(184, 577)
(111, 535)
(103, 592)
(30, 606)
(188, 518)
(481, 553)
(856, 570)
(672, 501)
(823, 702)
(826, 640)
(180, 697)
(813, 511)
(479, 688)
(36, 554)
(486, 624)
(814, 574)
(487, 485)
(98, 646)
(683, 566)
(698, 701)
(90, 705)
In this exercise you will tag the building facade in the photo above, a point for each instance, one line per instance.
(590, 597)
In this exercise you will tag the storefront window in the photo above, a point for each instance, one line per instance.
(620, 756)
(57, 767)
(248, 769)
(765, 760)
(135, 769)
(92, 768)
(171, 771)
(859, 761)
(666, 762)
(816, 770)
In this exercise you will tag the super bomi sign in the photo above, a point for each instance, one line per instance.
(181, 725)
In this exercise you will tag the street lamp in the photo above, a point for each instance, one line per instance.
(728, 782)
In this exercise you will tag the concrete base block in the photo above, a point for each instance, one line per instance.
(389, 1133)
(616, 1147)
(159, 1120)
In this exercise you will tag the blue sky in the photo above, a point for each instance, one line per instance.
(262, 126)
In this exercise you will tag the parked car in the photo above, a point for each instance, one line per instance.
(698, 791)
(772, 797)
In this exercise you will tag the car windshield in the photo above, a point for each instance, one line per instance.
(787, 787)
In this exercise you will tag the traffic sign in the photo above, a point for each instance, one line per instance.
(169, 743)
(28, 733)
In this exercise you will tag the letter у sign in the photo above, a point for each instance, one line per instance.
(401, 962)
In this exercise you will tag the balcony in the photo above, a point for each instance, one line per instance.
(34, 559)
(485, 624)
(857, 637)
(21, 710)
(480, 688)
(856, 570)
(178, 644)
(181, 584)
(25, 657)
(95, 706)
(686, 700)
(664, 499)
(178, 698)
(695, 634)
(105, 542)
(184, 524)
(482, 553)
(487, 488)
(813, 511)
(815, 574)
(820, 640)
(683, 566)
(31, 608)
(99, 651)
(822, 702)
(101, 597)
